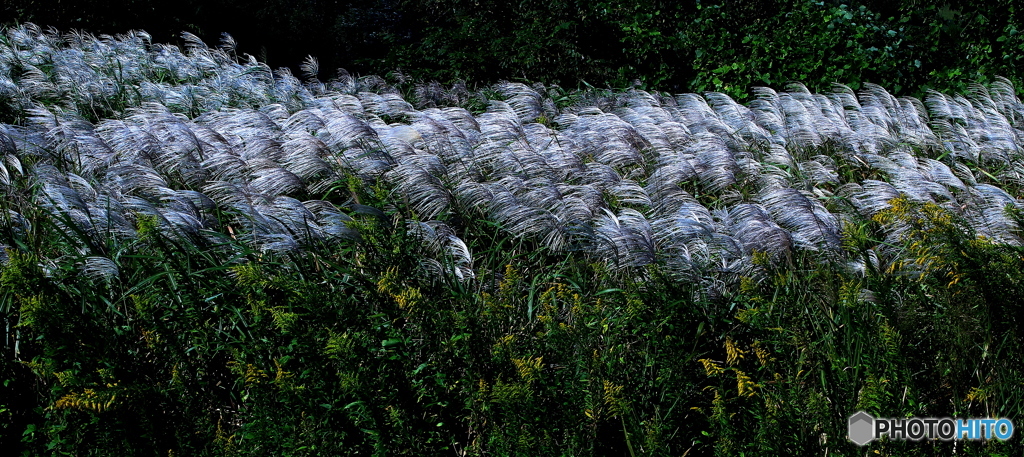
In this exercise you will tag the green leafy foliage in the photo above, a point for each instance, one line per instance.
(353, 351)
(725, 46)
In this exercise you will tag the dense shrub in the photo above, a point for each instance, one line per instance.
(727, 46)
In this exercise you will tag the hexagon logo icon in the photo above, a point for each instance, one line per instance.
(861, 428)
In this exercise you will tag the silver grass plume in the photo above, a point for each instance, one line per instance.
(228, 135)
(100, 268)
(810, 224)
(625, 239)
(446, 247)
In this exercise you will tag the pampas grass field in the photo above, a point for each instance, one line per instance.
(204, 256)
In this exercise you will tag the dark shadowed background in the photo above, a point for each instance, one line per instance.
(907, 46)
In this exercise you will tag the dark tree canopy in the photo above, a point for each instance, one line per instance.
(906, 45)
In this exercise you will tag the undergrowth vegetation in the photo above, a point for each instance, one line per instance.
(204, 257)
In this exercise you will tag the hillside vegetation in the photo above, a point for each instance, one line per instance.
(202, 256)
